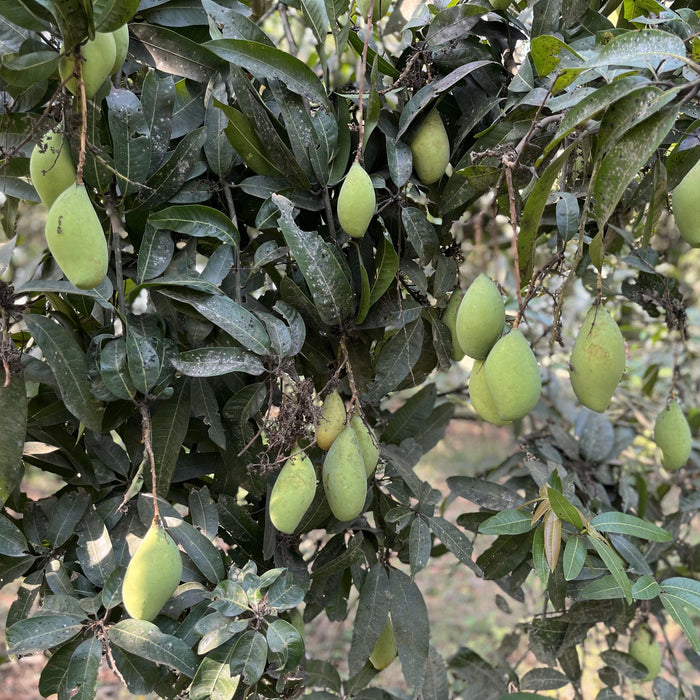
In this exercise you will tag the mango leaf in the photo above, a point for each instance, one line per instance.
(198, 547)
(420, 233)
(316, 18)
(41, 632)
(94, 549)
(69, 366)
(328, 284)
(68, 512)
(409, 618)
(145, 639)
(386, 265)
(604, 588)
(614, 564)
(507, 522)
(73, 21)
(486, 494)
(196, 220)
(13, 414)
(12, 542)
(539, 559)
(406, 421)
(543, 679)
(626, 158)
(249, 656)
(677, 611)
(23, 70)
(645, 588)
(455, 541)
(80, 680)
(565, 510)
(155, 253)
(265, 61)
(686, 590)
(213, 679)
(574, 557)
(169, 424)
(112, 14)
(626, 524)
(131, 139)
(419, 544)
(139, 674)
(285, 643)
(624, 663)
(212, 362)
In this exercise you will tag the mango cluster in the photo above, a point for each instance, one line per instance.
(152, 575)
(505, 382)
(352, 455)
(73, 230)
(101, 57)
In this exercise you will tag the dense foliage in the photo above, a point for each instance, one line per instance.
(235, 303)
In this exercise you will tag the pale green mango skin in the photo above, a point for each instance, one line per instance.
(672, 436)
(152, 575)
(344, 476)
(75, 238)
(430, 148)
(480, 318)
(384, 651)
(356, 202)
(381, 7)
(449, 318)
(292, 493)
(332, 420)
(368, 443)
(99, 56)
(51, 167)
(512, 376)
(481, 399)
(685, 206)
(645, 649)
(597, 359)
(121, 46)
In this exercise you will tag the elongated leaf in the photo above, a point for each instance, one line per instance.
(169, 427)
(329, 286)
(13, 414)
(213, 362)
(285, 643)
(197, 220)
(144, 639)
(372, 613)
(604, 588)
(626, 524)
(199, 548)
(626, 158)
(645, 588)
(41, 632)
(484, 493)
(411, 417)
(455, 540)
(552, 539)
(69, 511)
(396, 360)
(387, 265)
(69, 366)
(265, 61)
(507, 522)
(574, 557)
(94, 549)
(249, 656)
(419, 543)
(131, 138)
(155, 253)
(12, 542)
(614, 564)
(564, 509)
(112, 14)
(420, 233)
(679, 614)
(213, 680)
(80, 680)
(543, 679)
(409, 617)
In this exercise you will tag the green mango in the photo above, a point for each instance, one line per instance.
(500, 4)
(644, 648)
(344, 476)
(152, 575)
(121, 46)
(384, 651)
(449, 318)
(381, 7)
(480, 318)
(51, 166)
(685, 206)
(99, 56)
(512, 376)
(368, 443)
(672, 436)
(292, 493)
(75, 238)
(332, 420)
(356, 201)
(597, 359)
(430, 148)
(480, 397)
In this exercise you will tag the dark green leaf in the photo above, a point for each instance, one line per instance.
(212, 362)
(69, 366)
(677, 611)
(12, 541)
(213, 680)
(41, 632)
(484, 493)
(199, 548)
(144, 639)
(543, 679)
(565, 510)
(80, 680)
(249, 656)
(614, 564)
(507, 522)
(419, 545)
(626, 524)
(69, 511)
(455, 540)
(411, 417)
(155, 253)
(94, 549)
(13, 413)
(197, 220)
(574, 557)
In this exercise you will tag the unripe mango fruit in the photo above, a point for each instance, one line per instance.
(381, 7)
(332, 420)
(645, 649)
(512, 376)
(384, 651)
(500, 4)
(368, 443)
(672, 436)
(449, 318)
(685, 206)
(430, 148)
(480, 318)
(99, 56)
(597, 359)
(152, 574)
(121, 46)
(292, 493)
(356, 201)
(51, 166)
(481, 399)
(75, 238)
(344, 476)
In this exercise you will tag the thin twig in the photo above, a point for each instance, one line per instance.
(361, 82)
(117, 230)
(146, 434)
(83, 118)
